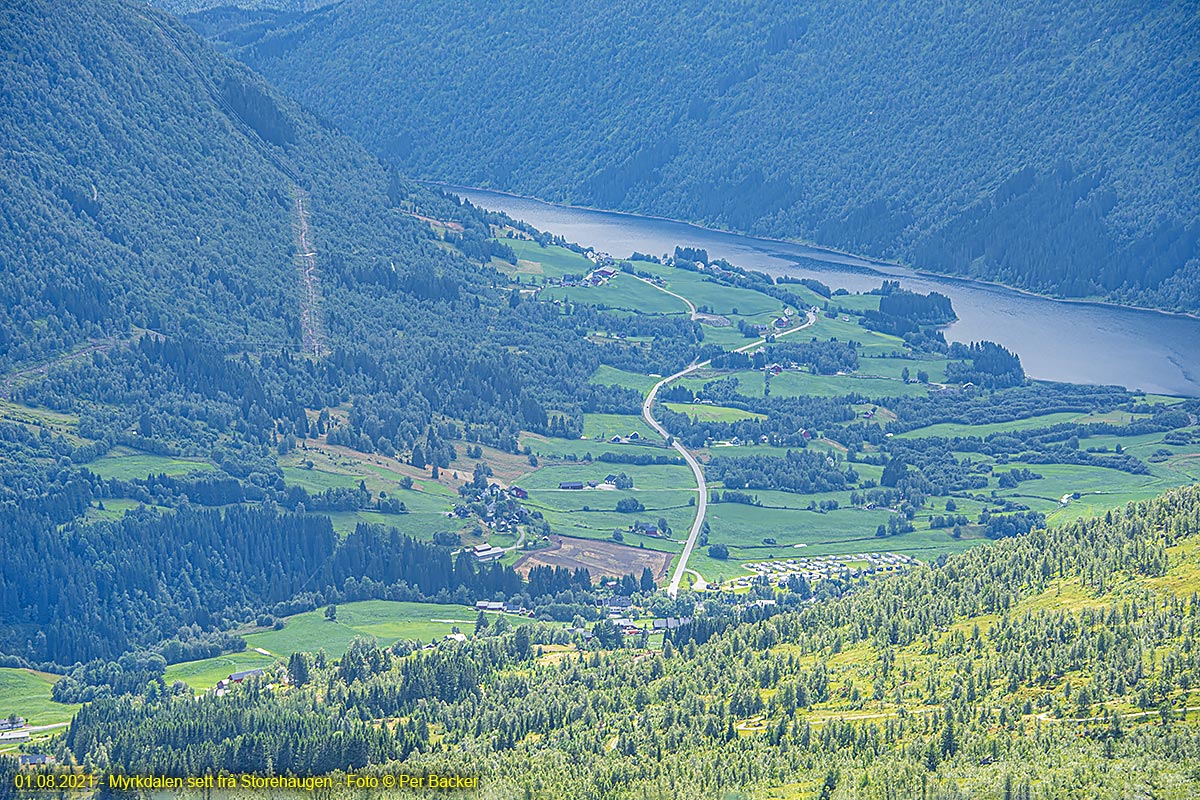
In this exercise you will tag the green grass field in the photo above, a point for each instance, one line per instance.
(707, 413)
(316, 480)
(546, 262)
(623, 292)
(606, 426)
(855, 302)
(114, 509)
(65, 425)
(125, 463)
(419, 525)
(894, 368)
(611, 376)
(651, 476)
(719, 299)
(950, 429)
(383, 620)
(204, 674)
(26, 693)
(871, 343)
(794, 383)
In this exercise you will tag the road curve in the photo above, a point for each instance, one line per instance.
(691, 306)
(701, 485)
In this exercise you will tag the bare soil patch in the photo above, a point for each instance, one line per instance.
(600, 558)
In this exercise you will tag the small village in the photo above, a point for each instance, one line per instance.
(820, 568)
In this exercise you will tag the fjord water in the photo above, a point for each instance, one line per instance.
(1056, 340)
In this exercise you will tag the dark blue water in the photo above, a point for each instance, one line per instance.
(1057, 340)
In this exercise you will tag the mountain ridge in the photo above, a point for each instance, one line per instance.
(1038, 146)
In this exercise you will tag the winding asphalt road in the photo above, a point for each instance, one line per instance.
(701, 485)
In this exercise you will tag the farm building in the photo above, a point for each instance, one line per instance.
(670, 623)
(619, 603)
(571, 485)
(485, 552)
(238, 677)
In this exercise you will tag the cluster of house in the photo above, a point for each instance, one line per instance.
(737, 441)
(12, 729)
(620, 609)
(597, 277)
(820, 568)
(716, 269)
(501, 515)
(610, 482)
(498, 607)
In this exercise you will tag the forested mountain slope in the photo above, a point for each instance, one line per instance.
(1049, 146)
(154, 198)
(142, 176)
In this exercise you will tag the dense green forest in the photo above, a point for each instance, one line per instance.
(1047, 146)
(1057, 665)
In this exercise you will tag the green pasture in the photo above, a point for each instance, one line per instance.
(124, 463)
(894, 368)
(606, 426)
(419, 525)
(854, 302)
(795, 383)
(622, 292)
(26, 693)
(611, 376)
(952, 429)
(601, 524)
(550, 447)
(707, 413)
(65, 425)
(650, 476)
(114, 509)
(728, 337)
(384, 620)
(205, 673)
(551, 261)
(315, 481)
(717, 298)
(870, 342)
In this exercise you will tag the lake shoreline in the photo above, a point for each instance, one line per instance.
(864, 261)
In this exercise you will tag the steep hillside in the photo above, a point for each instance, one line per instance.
(1050, 146)
(147, 184)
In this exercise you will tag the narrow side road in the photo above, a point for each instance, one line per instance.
(701, 485)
